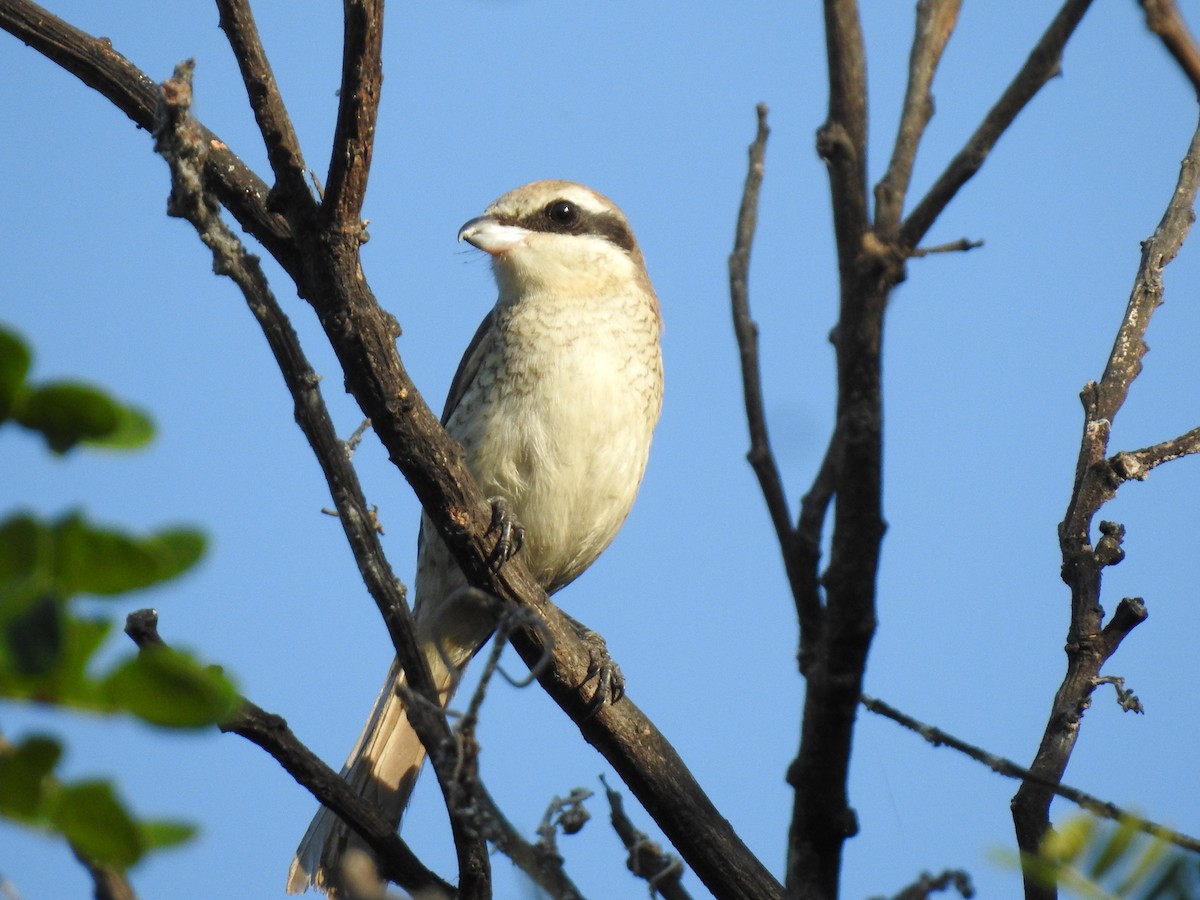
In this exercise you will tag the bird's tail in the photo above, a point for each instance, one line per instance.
(382, 769)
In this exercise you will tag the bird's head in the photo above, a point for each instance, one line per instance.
(557, 235)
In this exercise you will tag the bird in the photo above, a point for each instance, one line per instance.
(555, 403)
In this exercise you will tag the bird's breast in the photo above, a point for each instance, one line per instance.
(559, 422)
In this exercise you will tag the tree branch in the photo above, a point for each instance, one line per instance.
(1042, 65)
(324, 261)
(1009, 769)
(271, 733)
(274, 123)
(1096, 480)
(760, 456)
(107, 883)
(661, 871)
(98, 65)
(176, 140)
(935, 23)
(842, 140)
(1164, 19)
(928, 884)
(358, 107)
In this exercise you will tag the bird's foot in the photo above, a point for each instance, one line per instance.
(610, 683)
(510, 533)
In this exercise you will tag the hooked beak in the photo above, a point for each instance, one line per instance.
(491, 236)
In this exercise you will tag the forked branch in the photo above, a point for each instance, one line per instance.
(1090, 644)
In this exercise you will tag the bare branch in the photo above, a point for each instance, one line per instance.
(662, 871)
(960, 246)
(358, 107)
(1136, 465)
(274, 123)
(97, 64)
(760, 456)
(325, 263)
(1164, 19)
(107, 883)
(935, 23)
(271, 733)
(176, 140)
(1096, 480)
(842, 140)
(1009, 769)
(928, 884)
(1042, 65)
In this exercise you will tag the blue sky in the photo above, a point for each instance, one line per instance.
(985, 356)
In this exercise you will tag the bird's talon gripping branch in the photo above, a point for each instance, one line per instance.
(510, 533)
(610, 683)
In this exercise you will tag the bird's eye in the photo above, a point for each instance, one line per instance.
(562, 212)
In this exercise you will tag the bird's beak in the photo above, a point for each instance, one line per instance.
(490, 236)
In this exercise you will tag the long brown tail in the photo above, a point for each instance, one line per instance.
(452, 624)
(382, 769)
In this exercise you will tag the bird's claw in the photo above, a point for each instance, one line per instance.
(610, 683)
(510, 534)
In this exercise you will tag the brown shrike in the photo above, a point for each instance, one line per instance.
(555, 402)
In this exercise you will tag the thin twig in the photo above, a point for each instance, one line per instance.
(274, 123)
(760, 456)
(928, 884)
(662, 871)
(108, 883)
(1042, 65)
(270, 732)
(1164, 19)
(476, 805)
(935, 23)
(1010, 769)
(1089, 646)
(959, 246)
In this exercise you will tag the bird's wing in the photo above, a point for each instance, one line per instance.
(468, 366)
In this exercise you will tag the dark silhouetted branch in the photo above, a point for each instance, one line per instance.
(271, 733)
(323, 259)
(1089, 645)
(1164, 19)
(935, 23)
(1042, 65)
(274, 123)
(1009, 769)
(358, 107)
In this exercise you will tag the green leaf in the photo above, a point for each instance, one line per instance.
(73, 556)
(90, 816)
(24, 770)
(159, 834)
(68, 413)
(133, 429)
(167, 687)
(67, 683)
(25, 559)
(95, 560)
(15, 359)
(33, 639)
(1114, 850)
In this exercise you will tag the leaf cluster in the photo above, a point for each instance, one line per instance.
(65, 413)
(49, 649)
(1100, 860)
